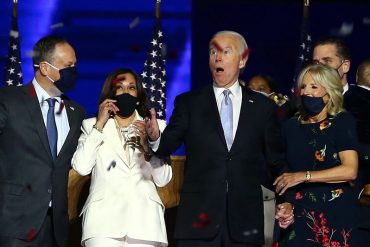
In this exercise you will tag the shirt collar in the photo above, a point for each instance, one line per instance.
(234, 89)
(345, 88)
(364, 87)
(42, 95)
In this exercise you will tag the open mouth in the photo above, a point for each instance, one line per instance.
(219, 70)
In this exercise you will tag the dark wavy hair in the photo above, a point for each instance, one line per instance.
(109, 90)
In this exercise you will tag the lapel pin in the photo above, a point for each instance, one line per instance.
(72, 108)
(251, 101)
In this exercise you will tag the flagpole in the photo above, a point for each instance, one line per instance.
(306, 7)
(157, 9)
(15, 12)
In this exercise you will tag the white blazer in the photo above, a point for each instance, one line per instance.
(123, 200)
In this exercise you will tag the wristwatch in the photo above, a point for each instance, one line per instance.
(100, 130)
(308, 175)
(148, 155)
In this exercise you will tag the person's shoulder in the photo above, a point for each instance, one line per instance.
(74, 105)
(89, 121)
(12, 93)
(195, 93)
(343, 117)
(256, 95)
(293, 121)
(6, 90)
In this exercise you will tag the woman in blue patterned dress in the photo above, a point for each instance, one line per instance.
(321, 152)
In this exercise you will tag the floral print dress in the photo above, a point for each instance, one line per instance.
(324, 212)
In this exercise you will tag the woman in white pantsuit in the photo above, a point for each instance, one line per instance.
(123, 207)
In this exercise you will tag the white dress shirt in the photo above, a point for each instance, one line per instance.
(61, 118)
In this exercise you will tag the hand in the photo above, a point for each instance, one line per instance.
(287, 180)
(141, 132)
(106, 108)
(284, 213)
(151, 126)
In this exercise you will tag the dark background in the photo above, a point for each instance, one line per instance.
(108, 34)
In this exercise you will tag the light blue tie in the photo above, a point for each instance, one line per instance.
(226, 114)
(52, 128)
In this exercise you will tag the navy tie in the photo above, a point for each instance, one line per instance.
(226, 114)
(52, 128)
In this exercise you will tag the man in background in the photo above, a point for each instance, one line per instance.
(336, 54)
(357, 102)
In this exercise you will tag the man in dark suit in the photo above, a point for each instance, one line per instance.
(225, 128)
(357, 102)
(39, 130)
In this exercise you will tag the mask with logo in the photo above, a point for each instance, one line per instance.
(126, 104)
(68, 78)
(312, 105)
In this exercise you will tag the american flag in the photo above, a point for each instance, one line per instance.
(13, 70)
(154, 72)
(305, 46)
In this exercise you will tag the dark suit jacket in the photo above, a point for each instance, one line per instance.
(211, 170)
(29, 178)
(357, 102)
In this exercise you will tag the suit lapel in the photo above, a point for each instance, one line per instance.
(33, 106)
(211, 104)
(111, 133)
(73, 126)
(243, 117)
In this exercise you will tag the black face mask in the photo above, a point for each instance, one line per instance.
(126, 104)
(312, 105)
(68, 79)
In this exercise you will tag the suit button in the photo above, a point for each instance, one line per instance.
(49, 191)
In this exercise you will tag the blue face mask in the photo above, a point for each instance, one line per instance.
(312, 105)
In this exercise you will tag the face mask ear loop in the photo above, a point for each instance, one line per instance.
(52, 65)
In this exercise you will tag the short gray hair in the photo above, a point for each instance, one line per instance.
(242, 42)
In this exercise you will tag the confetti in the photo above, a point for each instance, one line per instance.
(61, 107)
(134, 23)
(204, 221)
(31, 54)
(246, 53)
(31, 234)
(57, 25)
(112, 165)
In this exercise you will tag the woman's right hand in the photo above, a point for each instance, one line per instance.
(106, 108)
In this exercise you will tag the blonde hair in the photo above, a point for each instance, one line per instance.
(330, 80)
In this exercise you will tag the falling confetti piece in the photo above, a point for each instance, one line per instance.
(134, 22)
(57, 25)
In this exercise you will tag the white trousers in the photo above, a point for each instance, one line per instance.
(120, 242)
